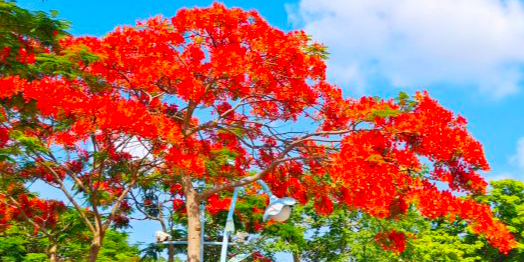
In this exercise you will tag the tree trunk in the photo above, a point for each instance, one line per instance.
(52, 252)
(296, 256)
(170, 253)
(96, 243)
(193, 227)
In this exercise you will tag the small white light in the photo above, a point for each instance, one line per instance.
(162, 236)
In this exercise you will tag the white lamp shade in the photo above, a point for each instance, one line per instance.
(283, 215)
(279, 210)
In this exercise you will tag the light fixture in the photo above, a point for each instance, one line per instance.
(162, 236)
(279, 209)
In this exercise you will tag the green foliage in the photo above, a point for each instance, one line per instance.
(350, 236)
(66, 65)
(36, 257)
(405, 102)
(507, 200)
(36, 34)
(13, 246)
(286, 233)
(18, 28)
(221, 157)
(19, 245)
(30, 143)
(440, 244)
(341, 236)
(318, 50)
(115, 248)
(38, 25)
(383, 113)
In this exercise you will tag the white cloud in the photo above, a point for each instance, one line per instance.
(420, 43)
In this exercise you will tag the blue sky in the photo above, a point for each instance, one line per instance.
(469, 54)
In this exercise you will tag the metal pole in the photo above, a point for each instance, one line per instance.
(266, 189)
(202, 226)
(184, 242)
(230, 226)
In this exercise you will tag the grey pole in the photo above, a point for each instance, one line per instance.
(202, 226)
(230, 226)
(267, 190)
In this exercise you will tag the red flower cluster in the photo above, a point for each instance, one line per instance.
(216, 204)
(392, 240)
(40, 213)
(257, 257)
(375, 168)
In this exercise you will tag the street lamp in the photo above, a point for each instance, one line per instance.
(279, 209)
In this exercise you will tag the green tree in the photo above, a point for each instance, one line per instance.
(347, 235)
(27, 39)
(350, 236)
(18, 245)
(507, 200)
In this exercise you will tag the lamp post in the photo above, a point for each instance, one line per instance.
(279, 209)
(202, 232)
(164, 238)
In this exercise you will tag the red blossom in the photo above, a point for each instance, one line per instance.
(392, 240)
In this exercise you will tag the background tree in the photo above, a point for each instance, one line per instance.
(15, 245)
(506, 197)
(351, 235)
(30, 49)
(157, 202)
(346, 235)
(215, 85)
(19, 243)
(26, 35)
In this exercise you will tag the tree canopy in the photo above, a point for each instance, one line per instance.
(212, 99)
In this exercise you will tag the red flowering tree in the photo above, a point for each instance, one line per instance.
(218, 95)
(38, 218)
(18, 207)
